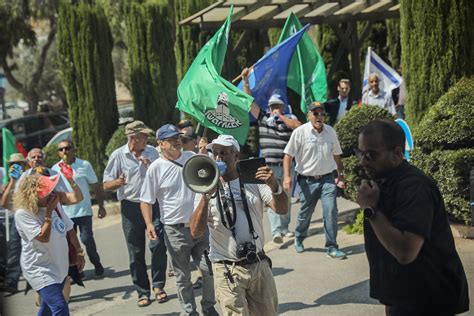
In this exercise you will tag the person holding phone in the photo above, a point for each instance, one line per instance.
(125, 172)
(274, 129)
(43, 226)
(233, 212)
(316, 150)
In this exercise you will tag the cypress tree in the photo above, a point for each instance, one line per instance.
(152, 62)
(85, 46)
(437, 49)
(189, 39)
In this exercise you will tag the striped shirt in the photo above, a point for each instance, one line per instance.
(273, 137)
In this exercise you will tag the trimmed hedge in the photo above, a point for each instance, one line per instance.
(51, 155)
(349, 126)
(450, 169)
(448, 124)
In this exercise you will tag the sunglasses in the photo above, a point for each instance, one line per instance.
(319, 113)
(68, 148)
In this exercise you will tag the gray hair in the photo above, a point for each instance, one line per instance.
(374, 74)
(42, 153)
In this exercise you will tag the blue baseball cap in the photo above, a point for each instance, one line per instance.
(167, 131)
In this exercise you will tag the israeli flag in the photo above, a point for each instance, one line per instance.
(389, 78)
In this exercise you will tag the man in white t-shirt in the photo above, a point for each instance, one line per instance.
(316, 150)
(234, 215)
(164, 182)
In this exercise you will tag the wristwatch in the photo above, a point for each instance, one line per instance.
(369, 212)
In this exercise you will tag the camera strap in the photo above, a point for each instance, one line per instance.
(223, 207)
(247, 210)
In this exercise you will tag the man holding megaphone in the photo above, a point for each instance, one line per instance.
(234, 213)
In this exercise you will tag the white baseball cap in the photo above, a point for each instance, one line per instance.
(224, 140)
(275, 99)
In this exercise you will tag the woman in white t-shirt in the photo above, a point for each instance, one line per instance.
(43, 226)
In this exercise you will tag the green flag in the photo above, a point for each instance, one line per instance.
(307, 73)
(9, 147)
(210, 99)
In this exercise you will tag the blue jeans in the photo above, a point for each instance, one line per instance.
(11, 252)
(134, 229)
(181, 246)
(52, 301)
(279, 223)
(312, 190)
(87, 237)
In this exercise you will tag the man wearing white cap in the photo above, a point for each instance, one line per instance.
(274, 129)
(234, 215)
(164, 182)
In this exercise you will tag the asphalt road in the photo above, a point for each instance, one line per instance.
(308, 283)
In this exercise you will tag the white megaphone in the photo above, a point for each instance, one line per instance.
(201, 173)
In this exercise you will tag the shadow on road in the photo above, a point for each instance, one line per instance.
(294, 306)
(357, 293)
(354, 249)
(280, 271)
(105, 294)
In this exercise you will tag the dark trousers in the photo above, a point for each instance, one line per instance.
(10, 253)
(134, 228)
(87, 237)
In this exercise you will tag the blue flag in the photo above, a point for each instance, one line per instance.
(269, 74)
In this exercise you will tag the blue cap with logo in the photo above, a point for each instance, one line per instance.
(167, 131)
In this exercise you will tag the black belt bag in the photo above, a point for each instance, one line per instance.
(300, 176)
(245, 263)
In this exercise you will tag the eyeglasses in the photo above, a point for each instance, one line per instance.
(369, 155)
(67, 148)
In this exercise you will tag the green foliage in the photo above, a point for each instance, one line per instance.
(189, 39)
(358, 226)
(273, 35)
(117, 140)
(51, 155)
(152, 63)
(85, 45)
(349, 126)
(437, 49)
(452, 116)
(450, 169)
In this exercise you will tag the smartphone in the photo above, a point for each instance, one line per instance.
(247, 169)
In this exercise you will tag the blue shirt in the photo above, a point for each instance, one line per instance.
(84, 175)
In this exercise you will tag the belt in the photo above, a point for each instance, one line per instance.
(179, 225)
(314, 177)
(243, 263)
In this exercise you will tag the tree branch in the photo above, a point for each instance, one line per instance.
(44, 52)
(8, 70)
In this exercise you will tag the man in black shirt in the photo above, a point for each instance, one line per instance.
(414, 266)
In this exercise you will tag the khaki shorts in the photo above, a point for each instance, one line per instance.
(252, 293)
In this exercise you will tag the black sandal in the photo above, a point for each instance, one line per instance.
(143, 301)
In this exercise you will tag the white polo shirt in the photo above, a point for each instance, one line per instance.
(313, 152)
(164, 181)
(381, 99)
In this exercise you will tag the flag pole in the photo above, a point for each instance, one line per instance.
(240, 76)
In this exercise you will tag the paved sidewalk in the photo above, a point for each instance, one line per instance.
(308, 283)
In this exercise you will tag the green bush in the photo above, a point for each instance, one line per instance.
(452, 117)
(450, 169)
(51, 155)
(357, 227)
(349, 126)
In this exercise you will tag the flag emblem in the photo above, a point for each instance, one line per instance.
(221, 116)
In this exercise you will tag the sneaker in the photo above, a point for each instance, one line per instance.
(336, 253)
(277, 238)
(299, 246)
(99, 271)
(198, 283)
(290, 234)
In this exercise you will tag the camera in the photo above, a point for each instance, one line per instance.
(248, 251)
